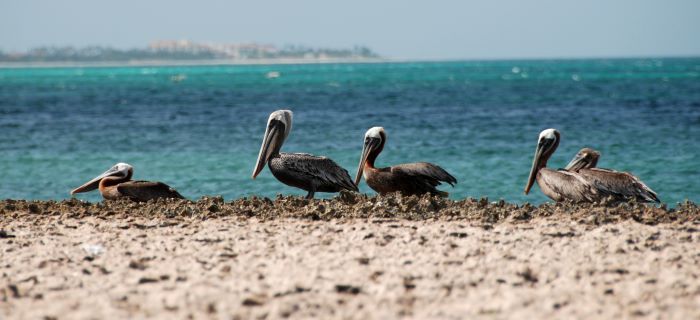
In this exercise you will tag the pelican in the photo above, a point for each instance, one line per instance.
(116, 183)
(586, 158)
(622, 185)
(304, 171)
(409, 179)
(559, 185)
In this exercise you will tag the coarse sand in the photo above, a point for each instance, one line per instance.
(349, 257)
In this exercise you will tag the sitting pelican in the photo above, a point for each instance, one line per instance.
(622, 185)
(559, 185)
(409, 179)
(116, 183)
(586, 158)
(301, 170)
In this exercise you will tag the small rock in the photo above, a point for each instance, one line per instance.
(348, 289)
(253, 301)
(138, 265)
(147, 280)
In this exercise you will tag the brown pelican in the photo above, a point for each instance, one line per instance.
(301, 170)
(622, 185)
(574, 185)
(409, 179)
(586, 158)
(116, 183)
(558, 185)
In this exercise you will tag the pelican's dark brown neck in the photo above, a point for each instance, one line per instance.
(279, 138)
(549, 152)
(374, 153)
(592, 162)
(113, 181)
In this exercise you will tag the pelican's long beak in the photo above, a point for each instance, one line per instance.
(370, 145)
(272, 142)
(95, 182)
(577, 163)
(535, 165)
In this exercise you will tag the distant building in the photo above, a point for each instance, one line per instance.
(222, 50)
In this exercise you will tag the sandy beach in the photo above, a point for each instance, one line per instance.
(349, 257)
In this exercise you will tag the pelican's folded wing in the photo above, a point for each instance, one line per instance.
(622, 184)
(421, 177)
(325, 171)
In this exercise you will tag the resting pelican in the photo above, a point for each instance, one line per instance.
(586, 158)
(409, 179)
(116, 183)
(621, 185)
(301, 170)
(559, 185)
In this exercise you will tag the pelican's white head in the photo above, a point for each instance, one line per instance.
(375, 132)
(284, 116)
(122, 168)
(549, 134)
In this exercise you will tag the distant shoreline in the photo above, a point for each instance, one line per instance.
(284, 61)
(164, 63)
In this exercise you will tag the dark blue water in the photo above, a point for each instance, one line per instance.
(199, 129)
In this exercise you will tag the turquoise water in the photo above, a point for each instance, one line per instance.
(199, 128)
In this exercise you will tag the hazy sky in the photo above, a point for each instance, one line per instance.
(398, 29)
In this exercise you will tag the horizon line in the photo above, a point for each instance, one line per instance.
(294, 61)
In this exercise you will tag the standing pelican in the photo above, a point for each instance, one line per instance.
(301, 170)
(116, 183)
(409, 179)
(622, 185)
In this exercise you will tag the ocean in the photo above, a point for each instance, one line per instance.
(199, 128)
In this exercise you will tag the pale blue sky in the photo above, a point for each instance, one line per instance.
(399, 29)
